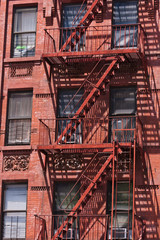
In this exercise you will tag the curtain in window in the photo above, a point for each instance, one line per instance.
(69, 12)
(19, 117)
(14, 222)
(125, 12)
(24, 32)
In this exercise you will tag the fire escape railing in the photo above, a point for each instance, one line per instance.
(94, 38)
(140, 228)
(40, 229)
(84, 227)
(92, 130)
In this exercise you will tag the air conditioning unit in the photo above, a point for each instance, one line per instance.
(72, 233)
(118, 233)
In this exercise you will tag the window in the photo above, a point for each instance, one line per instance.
(19, 118)
(24, 32)
(122, 102)
(14, 211)
(125, 12)
(122, 208)
(63, 205)
(68, 104)
(69, 21)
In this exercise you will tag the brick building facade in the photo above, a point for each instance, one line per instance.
(79, 119)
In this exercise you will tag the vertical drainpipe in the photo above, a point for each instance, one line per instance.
(3, 24)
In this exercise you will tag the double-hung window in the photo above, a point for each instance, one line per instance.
(69, 102)
(122, 113)
(24, 32)
(125, 20)
(70, 19)
(14, 211)
(122, 209)
(66, 196)
(19, 118)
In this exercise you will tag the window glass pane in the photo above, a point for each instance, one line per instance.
(121, 220)
(125, 36)
(14, 225)
(125, 12)
(67, 108)
(61, 190)
(20, 105)
(19, 131)
(15, 197)
(123, 101)
(69, 12)
(64, 97)
(124, 199)
(19, 117)
(122, 123)
(24, 44)
(70, 20)
(24, 32)
(25, 20)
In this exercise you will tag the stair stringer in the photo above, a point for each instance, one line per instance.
(73, 213)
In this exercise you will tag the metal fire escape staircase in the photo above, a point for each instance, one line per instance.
(87, 194)
(93, 85)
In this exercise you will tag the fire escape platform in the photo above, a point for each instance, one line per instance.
(81, 148)
(60, 57)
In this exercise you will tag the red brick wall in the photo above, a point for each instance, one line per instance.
(44, 106)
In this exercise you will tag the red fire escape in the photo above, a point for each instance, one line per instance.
(61, 138)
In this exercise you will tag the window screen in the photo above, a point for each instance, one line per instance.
(14, 211)
(19, 117)
(24, 32)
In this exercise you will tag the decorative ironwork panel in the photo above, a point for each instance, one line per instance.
(16, 163)
(68, 161)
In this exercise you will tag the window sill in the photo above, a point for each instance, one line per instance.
(23, 59)
(16, 147)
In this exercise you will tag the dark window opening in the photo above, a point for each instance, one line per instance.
(63, 205)
(122, 114)
(24, 32)
(68, 104)
(14, 212)
(125, 20)
(19, 118)
(122, 209)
